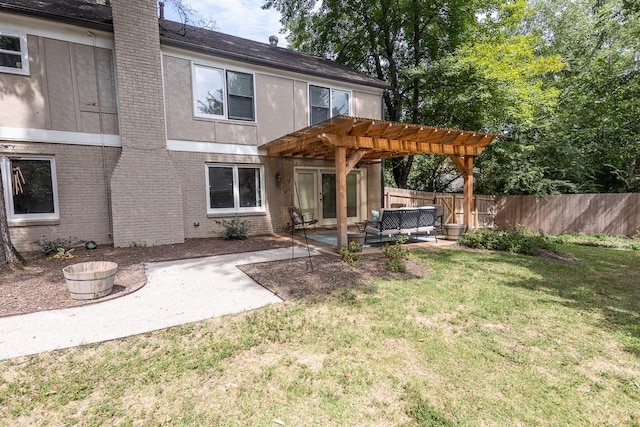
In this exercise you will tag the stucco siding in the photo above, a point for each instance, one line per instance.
(179, 103)
(61, 91)
(236, 133)
(367, 105)
(301, 104)
(275, 106)
(22, 102)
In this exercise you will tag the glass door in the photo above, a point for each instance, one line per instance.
(306, 194)
(329, 196)
(316, 195)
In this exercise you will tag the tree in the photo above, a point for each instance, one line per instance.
(387, 39)
(8, 254)
(591, 140)
(462, 64)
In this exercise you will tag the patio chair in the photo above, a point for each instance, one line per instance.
(298, 221)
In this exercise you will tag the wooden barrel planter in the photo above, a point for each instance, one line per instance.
(90, 280)
(454, 231)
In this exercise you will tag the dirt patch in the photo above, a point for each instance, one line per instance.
(41, 286)
(556, 256)
(308, 278)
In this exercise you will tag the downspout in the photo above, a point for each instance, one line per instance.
(104, 161)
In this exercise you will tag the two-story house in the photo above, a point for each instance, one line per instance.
(120, 127)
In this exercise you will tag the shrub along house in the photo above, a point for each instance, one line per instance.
(120, 127)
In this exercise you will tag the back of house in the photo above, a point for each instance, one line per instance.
(121, 127)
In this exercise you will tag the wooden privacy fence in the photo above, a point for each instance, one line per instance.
(483, 206)
(613, 214)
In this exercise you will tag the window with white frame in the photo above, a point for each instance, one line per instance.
(30, 187)
(327, 102)
(13, 53)
(235, 188)
(223, 94)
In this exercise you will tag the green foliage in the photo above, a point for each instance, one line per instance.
(396, 254)
(590, 141)
(435, 173)
(234, 229)
(48, 247)
(62, 254)
(520, 240)
(351, 253)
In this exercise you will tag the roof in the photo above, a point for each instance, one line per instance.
(91, 15)
(376, 139)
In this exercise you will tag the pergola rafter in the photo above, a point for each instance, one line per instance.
(348, 140)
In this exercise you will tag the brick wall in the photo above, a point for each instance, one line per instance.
(82, 194)
(198, 224)
(146, 188)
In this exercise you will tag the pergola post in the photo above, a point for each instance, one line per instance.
(341, 195)
(465, 167)
(468, 192)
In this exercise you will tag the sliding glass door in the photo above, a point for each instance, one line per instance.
(316, 189)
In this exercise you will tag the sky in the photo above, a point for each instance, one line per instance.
(242, 18)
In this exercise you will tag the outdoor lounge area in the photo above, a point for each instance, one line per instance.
(329, 237)
(415, 224)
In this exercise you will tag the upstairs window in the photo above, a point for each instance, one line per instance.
(223, 94)
(240, 95)
(30, 187)
(13, 54)
(327, 102)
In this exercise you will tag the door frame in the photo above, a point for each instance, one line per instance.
(361, 196)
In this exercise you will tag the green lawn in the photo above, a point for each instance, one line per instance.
(486, 338)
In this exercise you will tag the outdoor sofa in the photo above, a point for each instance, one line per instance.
(407, 221)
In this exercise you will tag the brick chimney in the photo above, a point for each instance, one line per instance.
(146, 190)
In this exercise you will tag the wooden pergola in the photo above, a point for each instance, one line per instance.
(349, 140)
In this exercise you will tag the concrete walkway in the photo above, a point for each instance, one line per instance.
(177, 292)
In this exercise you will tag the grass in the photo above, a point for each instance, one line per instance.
(486, 338)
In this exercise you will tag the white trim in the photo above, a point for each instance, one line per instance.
(24, 54)
(211, 147)
(361, 190)
(236, 188)
(194, 83)
(225, 95)
(331, 89)
(6, 178)
(58, 137)
(253, 97)
(55, 30)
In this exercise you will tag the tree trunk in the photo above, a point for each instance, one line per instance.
(401, 166)
(8, 254)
